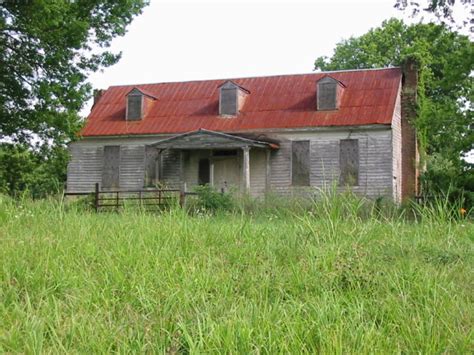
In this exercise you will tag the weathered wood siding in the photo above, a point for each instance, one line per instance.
(170, 173)
(86, 164)
(258, 172)
(132, 167)
(375, 163)
(111, 167)
(85, 167)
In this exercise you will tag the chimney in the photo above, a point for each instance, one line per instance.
(410, 154)
(97, 95)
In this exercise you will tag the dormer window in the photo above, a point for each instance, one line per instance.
(137, 102)
(329, 93)
(231, 98)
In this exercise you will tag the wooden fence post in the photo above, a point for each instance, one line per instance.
(182, 196)
(96, 197)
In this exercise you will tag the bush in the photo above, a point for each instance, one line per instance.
(209, 199)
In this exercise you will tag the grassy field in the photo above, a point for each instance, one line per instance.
(326, 279)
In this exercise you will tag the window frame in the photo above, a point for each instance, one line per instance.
(133, 96)
(344, 169)
(299, 179)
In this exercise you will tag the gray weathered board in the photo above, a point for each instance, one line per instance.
(111, 171)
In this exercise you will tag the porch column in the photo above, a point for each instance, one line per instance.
(246, 169)
(267, 170)
(181, 168)
(211, 171)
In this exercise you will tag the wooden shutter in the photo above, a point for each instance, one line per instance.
(151, 166)
(111, 167)
(134, 107)
(327, 96)
(349, 162)
(300, 163)
(228, 101)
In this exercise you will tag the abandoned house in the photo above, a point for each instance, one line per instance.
(282, 134)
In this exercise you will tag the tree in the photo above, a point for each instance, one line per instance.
(446, 58)
(448, 12)
(37, 172)
(47, 50)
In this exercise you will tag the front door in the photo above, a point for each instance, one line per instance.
(227, 172)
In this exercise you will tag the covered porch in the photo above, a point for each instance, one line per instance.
(226, 162)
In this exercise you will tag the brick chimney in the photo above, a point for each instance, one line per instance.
(410, 154)
(97, 95)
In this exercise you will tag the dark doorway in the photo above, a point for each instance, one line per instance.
(203, 172)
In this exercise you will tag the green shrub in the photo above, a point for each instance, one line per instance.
(210, 200)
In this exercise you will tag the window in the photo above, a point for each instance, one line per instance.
(204, 172)
(300, 163)
(134, 106)
(228, 101)
(231, 98)
(349, 162)
(111, 167)
(328, 93)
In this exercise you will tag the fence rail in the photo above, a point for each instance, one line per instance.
(115, 199)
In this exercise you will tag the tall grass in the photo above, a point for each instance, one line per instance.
(340, 275)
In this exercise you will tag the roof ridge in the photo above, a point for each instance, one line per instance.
(253, 77)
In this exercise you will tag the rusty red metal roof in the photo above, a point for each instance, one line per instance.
(274, 102)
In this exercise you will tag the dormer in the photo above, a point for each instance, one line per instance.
(138, 102)
(231, 98)
(329, 92)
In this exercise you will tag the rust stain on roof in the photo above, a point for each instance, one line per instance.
(286, 101)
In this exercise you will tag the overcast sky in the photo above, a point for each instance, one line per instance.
(177, 40)
(180, 40)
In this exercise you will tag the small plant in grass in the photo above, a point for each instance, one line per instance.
(209, 199)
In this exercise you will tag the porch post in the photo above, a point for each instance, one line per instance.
(211, 171)
(181, 168)
(267, 170)
(246, 169)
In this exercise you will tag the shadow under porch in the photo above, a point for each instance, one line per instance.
(226, 162)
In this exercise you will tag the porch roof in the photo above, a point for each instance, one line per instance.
(205, 139)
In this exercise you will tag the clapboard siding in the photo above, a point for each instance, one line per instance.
(280, 167)
(85, 167)
(86, 162)
(258, 172)
(132, 167)
(171, 169)
(375, 163)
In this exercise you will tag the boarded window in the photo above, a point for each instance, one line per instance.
(228, 104)
(151, 166)
(111, 167)
(134, 107)
(327, 96)
(349, 162)
(204, 172)
(300, 163)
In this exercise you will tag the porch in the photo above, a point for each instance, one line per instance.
(226, 162)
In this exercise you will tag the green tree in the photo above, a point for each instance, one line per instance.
(37, 172)
(47, 50)
(445, 116)
(449, 12)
